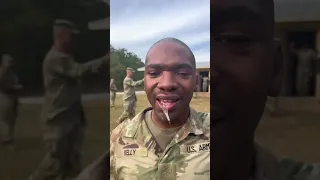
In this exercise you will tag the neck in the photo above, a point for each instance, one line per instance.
(174, 123)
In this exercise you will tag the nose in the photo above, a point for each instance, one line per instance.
(167, 81)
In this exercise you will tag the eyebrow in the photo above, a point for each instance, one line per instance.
(235, 14)
(174, 67)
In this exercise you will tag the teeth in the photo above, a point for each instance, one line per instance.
(167, 101)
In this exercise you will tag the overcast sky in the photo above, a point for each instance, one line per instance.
(137, 24)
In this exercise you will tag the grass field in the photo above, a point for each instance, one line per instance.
(295, 134)
(29, 151)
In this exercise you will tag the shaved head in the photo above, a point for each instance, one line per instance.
(183, 48)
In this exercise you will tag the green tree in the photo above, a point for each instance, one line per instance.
(26, 32)
(120, 60)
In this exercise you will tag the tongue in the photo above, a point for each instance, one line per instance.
(168, 105)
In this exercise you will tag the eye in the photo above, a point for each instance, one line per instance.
(153, 74)
(234, 39)
(183, 74)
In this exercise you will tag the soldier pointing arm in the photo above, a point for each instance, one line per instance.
(63, 115)
(9, 85)
(129, 96)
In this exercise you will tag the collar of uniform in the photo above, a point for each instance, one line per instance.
(134, 124)
(193, 125)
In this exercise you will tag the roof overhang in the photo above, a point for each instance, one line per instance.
(102, 24)
(297, 10)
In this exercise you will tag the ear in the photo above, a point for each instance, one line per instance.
(278, 61)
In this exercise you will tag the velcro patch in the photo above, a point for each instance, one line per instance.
(195, 148)
(135, 152)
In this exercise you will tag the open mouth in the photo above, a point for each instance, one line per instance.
(167, 102)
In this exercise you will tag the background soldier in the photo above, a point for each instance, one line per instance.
(205, 83)
(306, 57)
(63, 114)
(129, 96)
(113, 91)
(9, 85)
(273, 106)
(195, 94)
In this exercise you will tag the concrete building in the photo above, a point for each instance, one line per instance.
(297, 22)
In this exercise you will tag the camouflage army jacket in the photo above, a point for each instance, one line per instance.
(113, 87)
(135, 155)
(129, 88)
(268, 167)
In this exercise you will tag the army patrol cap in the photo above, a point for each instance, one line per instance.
(130, 69)
(67, 24)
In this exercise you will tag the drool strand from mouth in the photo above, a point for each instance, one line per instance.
(166, 113)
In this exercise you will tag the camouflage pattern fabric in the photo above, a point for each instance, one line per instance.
(129, 110)
(198, 86)
(112, 98)
(98, 170)
(113, 90)
(135, 155)
(306, 57)
(63, 153)
(8, 103)
(205, 83)
(129, 98)
(62, 83)
(63, 115)
(268, 167)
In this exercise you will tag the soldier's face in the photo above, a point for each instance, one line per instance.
(129, 73)
(170, 79)
(242, 75)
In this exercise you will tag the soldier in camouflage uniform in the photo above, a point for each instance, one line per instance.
(245, 73)
(205, 82)
(129, 96)
(306, 58)
(195, 94)
(62, 115)
(149, 147)
(9, 85)
(273, 105)
(113, 91)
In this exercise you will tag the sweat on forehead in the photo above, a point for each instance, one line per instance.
(181, 47)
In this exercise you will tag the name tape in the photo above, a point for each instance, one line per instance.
(135, 152)
(195, 148)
